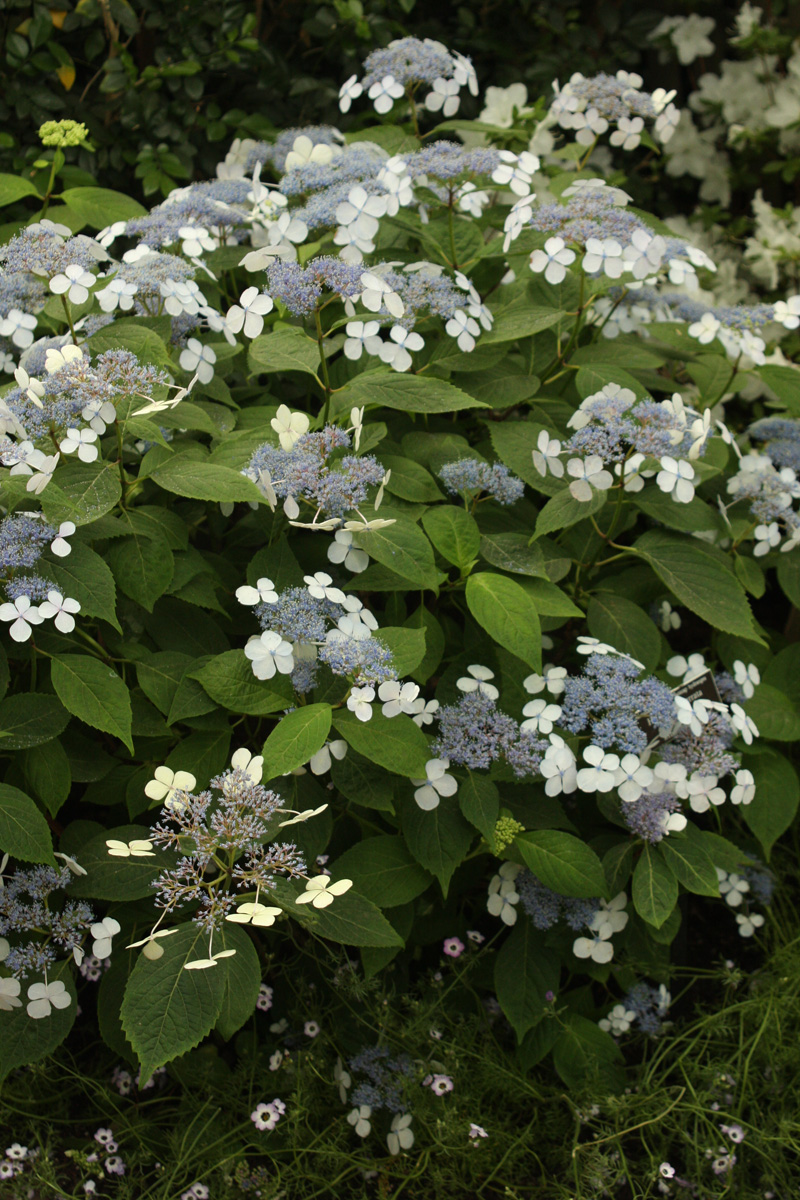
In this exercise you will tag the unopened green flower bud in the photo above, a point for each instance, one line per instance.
(63, 133)
(505, 831)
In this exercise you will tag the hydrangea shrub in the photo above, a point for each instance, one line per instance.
(395, 538)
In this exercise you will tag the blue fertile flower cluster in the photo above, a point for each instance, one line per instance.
(473, 476)
(386, 1078)
(608, 701)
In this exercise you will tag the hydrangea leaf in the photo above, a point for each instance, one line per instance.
(296, 738)
(93, 692)
(167, 1010)
(24, 833)
(563, 862)
(524, 972)
(505, 610)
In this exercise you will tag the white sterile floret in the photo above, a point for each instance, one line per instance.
(611, 912)
(516, 171)
(444, 98)
(384, 92)
(74, 283)
(378, 293)
(787, 312)
(117, 293)
(54, 360)
(198, 359)
(300, 818)
(478, 681)
(248, 315)
(396, 352)
(350, 90)
(701, 791)
(82, 441)
(464, 329)
(695, 714)
(695, 664)
(676, 477)
(44, 997)
(9, 994)
(263, 593)
(360, 702)
(61, 609)
(103, 932)
(668, 618)
(251, 764)
(748, 923)
(436, 784)
(196, 240)
(601, 774)
(304, 151)
(362, 336)
(361, 210)
(289, 426)
(551, 678)
(359, 1117)
(588, 473)
(644, 254)
(400, 1136)
(320, 586)
(23, 614)
(745, 788)
(424, 712)
(618, 1021)
(518, 217)
(748, 677)
(344, 550)
(269, 653)
(167, 782)
(632, 778)
(503, 896)
(398, 697)
(603, 255)
(320, 891)
(705, 330)
(628, 133)
(768, 537)
(733, 887)
(470, 200)
(260, 915)
(137, 848)
(558, 768)
(320, 762)
(547, 455)
(553, 260)
(18, 326)
(540, 715)
(598, 947)
(743, 724)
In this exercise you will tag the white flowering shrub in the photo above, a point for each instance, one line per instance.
(395, 538)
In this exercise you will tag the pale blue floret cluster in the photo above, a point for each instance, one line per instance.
(300, 288)
(706, 753)
(650, 1006)
(334, 487)
(25, 909)
(546, 907)
(472, 475)
(23, 540)
(235, 821)
(781, 438)
(386, 1078)
(618, 425)
(39, 250)
(474, 733)
(450, 160)
(209, 205)
(645, 816)
(608, 701)
(677, 306)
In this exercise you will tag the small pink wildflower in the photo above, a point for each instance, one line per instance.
(454, 947)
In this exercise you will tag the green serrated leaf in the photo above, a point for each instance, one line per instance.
(562, 862)
(24, 833)
(298, 736)
(94, 693)
(505, 610)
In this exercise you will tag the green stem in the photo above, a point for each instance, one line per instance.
(454, 262)
(123, 481)
(69, 319)
(326, 386)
